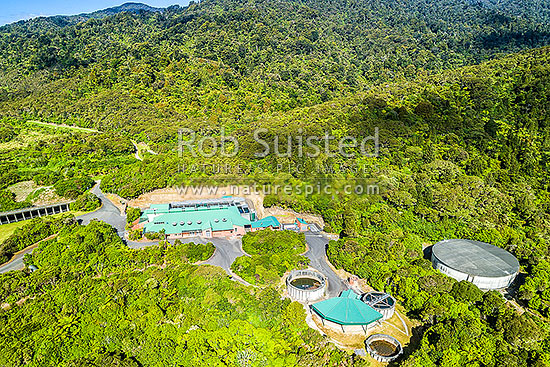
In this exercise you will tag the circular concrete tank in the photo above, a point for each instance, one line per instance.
(305, 285)
(383, 348)
(381, 302)
(485, 265)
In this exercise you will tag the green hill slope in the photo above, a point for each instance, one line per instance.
(232, 59)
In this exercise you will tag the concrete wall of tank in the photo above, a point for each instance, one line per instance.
(481, 282)
(386, 312)
(389, 339)
(304, 295)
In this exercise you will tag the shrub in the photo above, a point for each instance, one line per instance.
(73, 187)
(86, 202)
(135, 235)
(132, 214)
(189, 252)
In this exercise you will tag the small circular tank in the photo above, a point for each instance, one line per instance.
(383, 348)
(305, 285)
(381, 302)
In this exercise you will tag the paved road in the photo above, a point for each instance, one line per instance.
(317, 244)
(107, 213)
(16, 263)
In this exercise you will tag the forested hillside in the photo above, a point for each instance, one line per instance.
(97, 303)
(229, 59)
(459, 92)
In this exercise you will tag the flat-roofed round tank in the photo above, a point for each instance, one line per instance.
(485, 265)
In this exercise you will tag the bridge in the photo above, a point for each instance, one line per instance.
(33, 212)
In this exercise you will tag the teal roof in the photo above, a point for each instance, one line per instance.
(180, 221)
(266, 222)
(301, 220)
(346, 311)
(163, 207)
(349, 294)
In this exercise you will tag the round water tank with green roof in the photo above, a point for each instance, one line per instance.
(346, 313)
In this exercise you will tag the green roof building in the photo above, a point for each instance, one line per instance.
(266, 222)
(346, 312)
(208, 222)
(204, 219)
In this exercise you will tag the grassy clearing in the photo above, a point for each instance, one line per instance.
(142, 149)
(23, 189)
(63, 126)
(25, 138)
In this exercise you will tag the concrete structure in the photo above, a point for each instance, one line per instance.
(290, 226)
(485, 265)
(381, 302)
(306, 285)
(299, 225)
(33, 212)
(346, 313)
(224, 217)
(383, 348)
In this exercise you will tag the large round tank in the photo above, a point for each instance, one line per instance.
(305, 285)
(485, 265)
(381, 302)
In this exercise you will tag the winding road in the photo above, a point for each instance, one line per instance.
(316, 253)
(107, 213)
(227, 250)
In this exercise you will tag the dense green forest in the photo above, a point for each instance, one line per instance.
(272, 253)
(93, 301)
(459, 92)
(227, 61)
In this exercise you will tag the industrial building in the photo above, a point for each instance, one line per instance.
(209, 218)
(485, 265)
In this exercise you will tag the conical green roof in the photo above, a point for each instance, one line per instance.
(346, 311)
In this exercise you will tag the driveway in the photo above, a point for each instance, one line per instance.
(317, 255)
(107, 213)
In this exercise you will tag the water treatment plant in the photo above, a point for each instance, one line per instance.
(381, 302)
(485, 265)
(306, 285)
